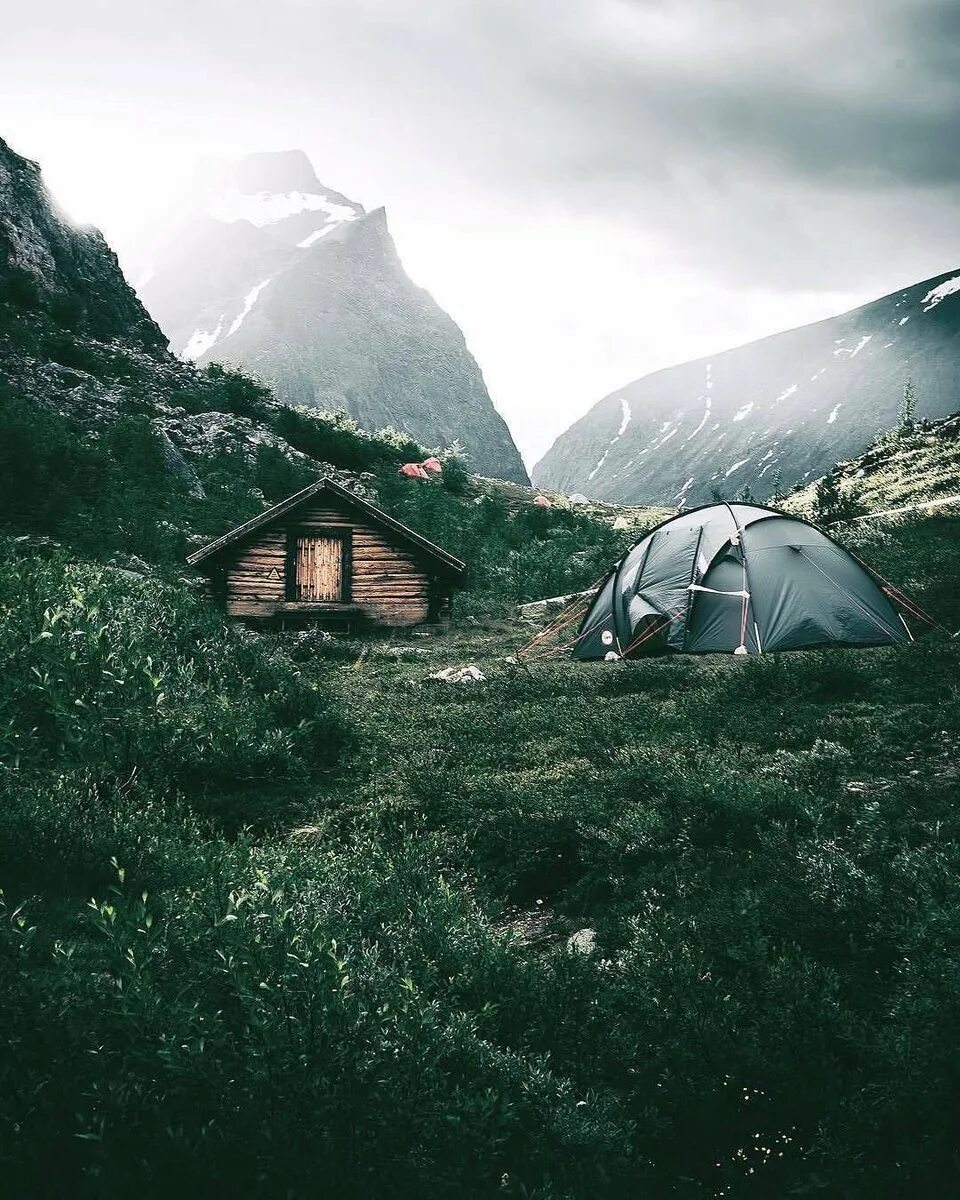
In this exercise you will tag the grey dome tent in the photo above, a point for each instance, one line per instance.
(740, 579)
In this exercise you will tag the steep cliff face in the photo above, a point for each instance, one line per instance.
(279, 274)
(775, 412)
(76, 341)
(53, 271)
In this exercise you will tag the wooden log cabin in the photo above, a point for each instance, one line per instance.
(325, 555)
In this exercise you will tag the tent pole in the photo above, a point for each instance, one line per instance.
(616, 598)
(690, 592)
(748, 598)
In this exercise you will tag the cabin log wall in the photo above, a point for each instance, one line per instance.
(389, 583)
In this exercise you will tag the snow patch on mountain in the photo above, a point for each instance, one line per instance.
(603, 459)
(857, 348)
(249, 301)
(315, 236)
(742, 412)
(686, 488)
(667, 430)
(266, 208)
(787, 393)
(940, 292)
(736, 467)
(833, 413)
(703, 419)
(625, 419)
(201, 340)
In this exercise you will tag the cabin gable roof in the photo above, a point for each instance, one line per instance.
(402, 533)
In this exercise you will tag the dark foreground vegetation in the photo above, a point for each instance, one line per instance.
(282, 919)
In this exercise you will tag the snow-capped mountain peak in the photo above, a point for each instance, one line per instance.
(279, 193)
(266, 208)
(269, 269)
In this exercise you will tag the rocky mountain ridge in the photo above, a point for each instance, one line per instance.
(276, 273)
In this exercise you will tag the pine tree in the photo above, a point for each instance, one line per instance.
(831, 505)
(778, 495)
(908, 406)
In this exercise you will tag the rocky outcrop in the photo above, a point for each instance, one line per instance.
(770, 414)
(75, 340)
(50, 268)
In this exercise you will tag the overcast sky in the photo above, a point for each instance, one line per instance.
(592, 188)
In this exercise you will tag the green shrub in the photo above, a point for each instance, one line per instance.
(108, 670)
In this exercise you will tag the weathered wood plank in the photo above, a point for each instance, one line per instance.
(390, 583)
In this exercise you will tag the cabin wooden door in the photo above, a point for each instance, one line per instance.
(320, 569)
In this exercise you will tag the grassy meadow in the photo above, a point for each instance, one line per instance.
(284, 917)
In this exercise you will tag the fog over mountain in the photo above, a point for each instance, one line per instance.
(593, 190)
(266, 268)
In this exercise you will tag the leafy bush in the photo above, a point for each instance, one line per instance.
(111, 493)
(110, 671)
(831, 503)
(236, 392)
(335, 438)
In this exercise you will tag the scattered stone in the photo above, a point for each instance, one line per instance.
(584, 941)
(467, 674)
(400, 652)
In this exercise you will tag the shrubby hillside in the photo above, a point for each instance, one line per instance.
(283, 912)
(912, 464)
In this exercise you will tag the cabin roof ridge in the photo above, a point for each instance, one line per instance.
(294, 501)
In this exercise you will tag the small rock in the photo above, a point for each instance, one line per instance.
(584, 941)
(467, 674)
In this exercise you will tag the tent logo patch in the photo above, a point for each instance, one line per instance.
(606, 637)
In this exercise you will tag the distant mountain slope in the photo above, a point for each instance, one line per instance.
(781, 409)
(278, 274)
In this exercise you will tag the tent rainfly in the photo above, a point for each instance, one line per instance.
(740, 579)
